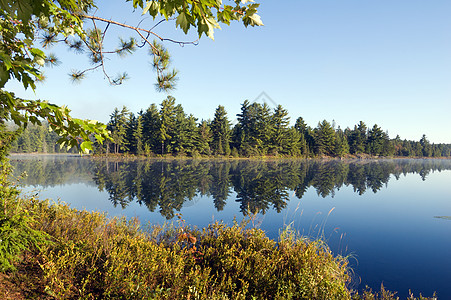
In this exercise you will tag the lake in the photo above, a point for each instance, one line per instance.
(391, 217)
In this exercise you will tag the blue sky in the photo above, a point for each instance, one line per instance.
(383, 62)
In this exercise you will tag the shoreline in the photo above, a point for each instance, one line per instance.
(126, 157)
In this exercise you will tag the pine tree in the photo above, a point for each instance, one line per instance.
(427, 149)
(186, 135)
(252, 135)
(261, 129)
(397, 146)
(376, 138)
(24, 142)
(242, 130)
(167, 123)
(205, 138)
(151, 129)
(221, 133)
(118, 128)
(130, 140)
(324, 139)
(138, 136)
(306, 140)
(358, 139)
(281, 136)
(341, 143)
(41, 137)
(295, 142)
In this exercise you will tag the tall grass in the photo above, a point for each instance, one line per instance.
(93, 257)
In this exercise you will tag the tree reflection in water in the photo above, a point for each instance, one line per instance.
(257, 185)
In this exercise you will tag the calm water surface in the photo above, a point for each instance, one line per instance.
(393, 217)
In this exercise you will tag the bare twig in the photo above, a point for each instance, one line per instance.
(100, 50)
(139, 30)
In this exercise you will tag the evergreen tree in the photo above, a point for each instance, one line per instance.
(118, 128)
(221, 133)
(138, 136)
(168, 115)
(358, 139)
(205, 138)
(281, 135)
(262, 129)
(388, 148)
(406, 149)
(426, 146)
(306, 140)
(341, 147)
(242, 130)
(186, 135)
(41, 138)
(376, 138)
(151, 130)
(446, 151)
(252, 134)
(130, 140)
(397, 146)
(24, 143)
(324, 139)
(417, 149)
(295, 142)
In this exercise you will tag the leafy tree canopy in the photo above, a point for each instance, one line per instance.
(28, 26)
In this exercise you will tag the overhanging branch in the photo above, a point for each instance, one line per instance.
(140, 30)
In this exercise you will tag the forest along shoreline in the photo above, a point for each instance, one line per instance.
(125, 157)
(259, 131)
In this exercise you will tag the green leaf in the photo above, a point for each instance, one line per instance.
(6, 60)
(152, 7)
(4, 76)
(225, 16)
(137, 3)
(207, 26)
(183, 22)
(24, 11)
(86, 146)
(37, 52)
(256, 20)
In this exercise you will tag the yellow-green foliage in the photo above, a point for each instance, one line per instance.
(384, 294)
(93, 257)
(246, 261)
(16, 232)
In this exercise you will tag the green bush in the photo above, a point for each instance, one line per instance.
(16, 224)
(93, 257)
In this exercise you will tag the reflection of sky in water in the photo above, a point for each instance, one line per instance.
(392, 234)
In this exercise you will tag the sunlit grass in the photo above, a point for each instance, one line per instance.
(91, 256)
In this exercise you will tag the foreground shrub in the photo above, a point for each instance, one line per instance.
(93, 257)
(246, 262)
(16, 224)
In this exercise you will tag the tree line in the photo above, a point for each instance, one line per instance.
(37, 138)
(259, 131)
